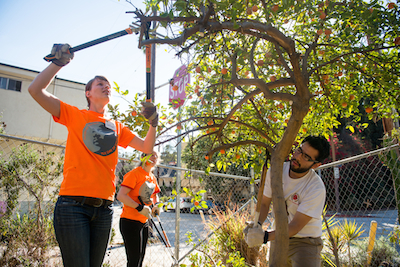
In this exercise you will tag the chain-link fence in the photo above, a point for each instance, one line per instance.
(363, 197)
(359, 189)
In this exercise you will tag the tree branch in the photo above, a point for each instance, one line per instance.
(350, 53)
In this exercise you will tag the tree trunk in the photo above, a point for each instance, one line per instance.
(279, 251)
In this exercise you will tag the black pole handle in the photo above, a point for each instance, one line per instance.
(101, 40)
(51, 57)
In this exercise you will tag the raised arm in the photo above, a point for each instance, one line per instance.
(149, 111)
(60, 56)
(37, 89)
(145, 145)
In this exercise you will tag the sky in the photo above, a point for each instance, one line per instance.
(28, 30)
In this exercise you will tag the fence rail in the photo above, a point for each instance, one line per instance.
(361, 188)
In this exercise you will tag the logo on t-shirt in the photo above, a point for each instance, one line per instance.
(145, 192)
(295, 198)
(99, 139)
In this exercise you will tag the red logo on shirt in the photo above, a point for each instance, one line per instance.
(295, 198)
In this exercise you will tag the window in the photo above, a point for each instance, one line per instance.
(10, 84)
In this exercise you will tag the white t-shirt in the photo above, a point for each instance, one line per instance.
(306, 195)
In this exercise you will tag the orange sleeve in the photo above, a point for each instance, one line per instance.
(130, 180)
(65, 113)
(154, 180)
(126, 135)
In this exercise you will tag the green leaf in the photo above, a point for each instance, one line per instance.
(219, 165)
(351, 128)
(171, 15)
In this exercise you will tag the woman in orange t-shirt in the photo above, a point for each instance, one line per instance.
(83, 212)
(138, 191)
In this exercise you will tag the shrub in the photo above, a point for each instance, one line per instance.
(227, 247)
(383, 254)
(27, 239)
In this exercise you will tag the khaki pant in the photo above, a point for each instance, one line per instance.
(304, 252)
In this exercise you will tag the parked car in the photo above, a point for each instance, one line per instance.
(185, 205)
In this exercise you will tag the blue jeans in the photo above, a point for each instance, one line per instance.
(82, 232)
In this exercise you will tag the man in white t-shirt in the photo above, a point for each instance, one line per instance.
(304, 194)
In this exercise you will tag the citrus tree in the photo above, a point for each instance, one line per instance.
(267, 73)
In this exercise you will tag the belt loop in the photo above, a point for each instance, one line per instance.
(83, 200)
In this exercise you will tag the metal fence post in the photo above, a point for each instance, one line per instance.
(178, 197)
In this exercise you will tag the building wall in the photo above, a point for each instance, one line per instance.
(24, 117)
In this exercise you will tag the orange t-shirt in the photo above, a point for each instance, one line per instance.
(91, 153)
(134, 180)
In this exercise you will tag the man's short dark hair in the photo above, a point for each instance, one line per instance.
(321, 144)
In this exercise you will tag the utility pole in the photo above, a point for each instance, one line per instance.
(153, 61)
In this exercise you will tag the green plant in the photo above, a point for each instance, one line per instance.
(226, 247)
(350, 232)
(164, 199)
(27, 241)
(343, 234)
(329, 244)
(112, 235)
(383, 252)
(394, 236)
(28, 237)
(331, 237)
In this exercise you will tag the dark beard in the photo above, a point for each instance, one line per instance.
(299, 169)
